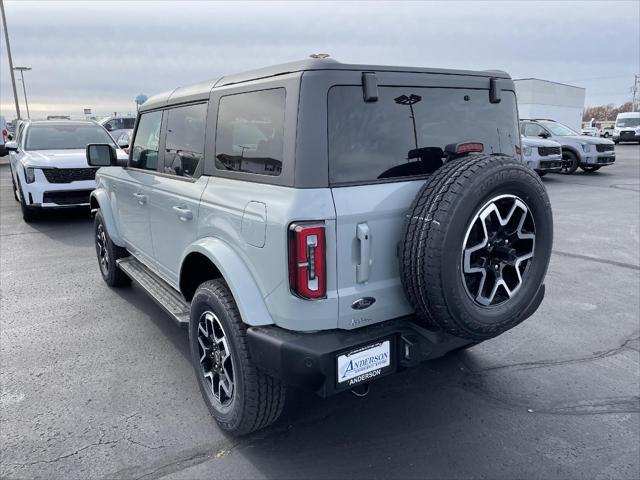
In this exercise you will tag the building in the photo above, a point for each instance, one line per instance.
(556, 101)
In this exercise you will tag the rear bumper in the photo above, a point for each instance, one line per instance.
(309, 360)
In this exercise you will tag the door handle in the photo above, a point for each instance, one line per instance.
(142, 198)
(364, 239)
(183, 213)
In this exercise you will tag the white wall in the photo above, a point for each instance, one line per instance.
(556, 101)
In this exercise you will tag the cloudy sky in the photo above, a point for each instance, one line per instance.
(102, 54)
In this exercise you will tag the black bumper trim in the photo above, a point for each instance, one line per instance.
(308, 360)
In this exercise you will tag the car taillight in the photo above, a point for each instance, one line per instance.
(307, 260)
(4, 133)
(469, 147)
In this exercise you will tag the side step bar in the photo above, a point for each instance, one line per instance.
(159, 290)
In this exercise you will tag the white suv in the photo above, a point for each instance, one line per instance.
(323, 225)
(48, 164)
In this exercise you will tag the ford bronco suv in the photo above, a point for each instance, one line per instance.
(322, 225)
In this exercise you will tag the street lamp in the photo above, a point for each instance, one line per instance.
(24, 88)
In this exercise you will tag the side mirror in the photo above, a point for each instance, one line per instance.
(123, 142)
(107, 127)
(11, 146)
(101, 155)
(544, 134)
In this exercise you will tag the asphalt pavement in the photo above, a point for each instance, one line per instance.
(96, 383)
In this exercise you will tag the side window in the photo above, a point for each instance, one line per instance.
(532, 130)
(185, 139)
(250, 133)
(147, 139)
(128, 123)
(110, 125)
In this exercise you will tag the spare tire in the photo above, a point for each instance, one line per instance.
(476, 246)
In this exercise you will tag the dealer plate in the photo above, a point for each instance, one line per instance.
(364, 364)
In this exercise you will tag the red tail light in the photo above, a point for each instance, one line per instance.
(307, 260)
(4, 133)
(469, 147)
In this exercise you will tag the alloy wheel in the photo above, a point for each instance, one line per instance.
(216, 364)
(101, 247)
(497, 250)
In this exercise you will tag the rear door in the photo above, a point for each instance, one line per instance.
(175, 197)
(380, 154)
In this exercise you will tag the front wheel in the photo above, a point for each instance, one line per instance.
(241, 398)
(569, 162)
(590, 168)
(606, 135)
(108, 253)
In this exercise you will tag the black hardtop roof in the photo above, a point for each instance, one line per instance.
(201, 90)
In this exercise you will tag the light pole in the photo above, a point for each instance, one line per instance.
(13, 78)
(24, 88)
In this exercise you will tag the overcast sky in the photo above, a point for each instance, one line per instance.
(102, 54)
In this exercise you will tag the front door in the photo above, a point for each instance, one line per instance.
(135, 185)
(175, 197)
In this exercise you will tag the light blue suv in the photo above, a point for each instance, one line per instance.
(323, 225)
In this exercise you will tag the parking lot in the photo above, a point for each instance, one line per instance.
(97, 383)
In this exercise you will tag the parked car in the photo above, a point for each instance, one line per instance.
(323, 225)
(48, 164)
(4, 136)
(124, 140)
(116, 126)
(590, 131)
(627, 127)
(543, 156)
(588, 153)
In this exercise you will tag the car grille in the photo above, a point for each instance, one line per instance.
(68, 175)
(604, 148)
(74, 197)
(546, 151)
(627, 133)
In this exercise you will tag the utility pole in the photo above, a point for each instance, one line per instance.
(24, 88)
(13, 78)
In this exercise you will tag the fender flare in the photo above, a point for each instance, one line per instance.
(573, 150)
(101, 196)
(238, 277)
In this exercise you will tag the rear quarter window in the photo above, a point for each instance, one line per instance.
(250, 132)
(404, 133)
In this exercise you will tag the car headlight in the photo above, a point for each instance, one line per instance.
(586, 147)
(526, 151)
(29, 175)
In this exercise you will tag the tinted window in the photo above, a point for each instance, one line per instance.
(145, 145)
(128, 123)
(62, 137)
(250, 133)
(185, 139)
(404, 133)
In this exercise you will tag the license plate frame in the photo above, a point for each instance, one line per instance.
(364, 363)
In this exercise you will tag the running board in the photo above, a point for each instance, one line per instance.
(160, 291)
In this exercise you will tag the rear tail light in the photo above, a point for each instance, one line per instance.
(4, 133)
(307, 260)
(469, 147)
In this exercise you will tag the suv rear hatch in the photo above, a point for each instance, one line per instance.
(380, 154)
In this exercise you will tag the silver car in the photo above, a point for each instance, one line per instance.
(588, 153)
(323, 225)
(543, 156)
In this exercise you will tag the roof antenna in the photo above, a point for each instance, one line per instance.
(319, 55)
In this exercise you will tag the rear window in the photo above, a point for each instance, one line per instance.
(405, 132)
(64, 137)
(250, 133)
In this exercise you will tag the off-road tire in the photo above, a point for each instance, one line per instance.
(590, 169)
(113, 276)
(258, 399)
(570, 162)
(434, 235)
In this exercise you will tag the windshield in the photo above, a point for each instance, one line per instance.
(64, 137)
(405, 132)
(628, 122)
(558, 129)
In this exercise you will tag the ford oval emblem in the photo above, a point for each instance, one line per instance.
(363, 303)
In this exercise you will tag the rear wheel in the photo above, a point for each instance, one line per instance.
(108, 253)
(569, 162)
(476, 246)
(241, 398)
(590, 168)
